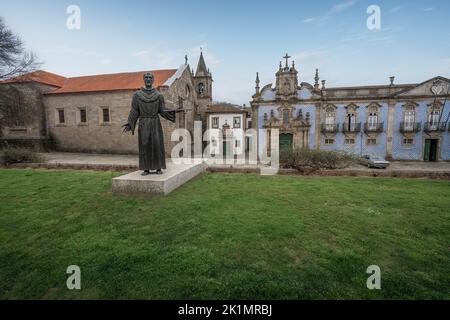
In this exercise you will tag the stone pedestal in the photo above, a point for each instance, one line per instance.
(175, 176)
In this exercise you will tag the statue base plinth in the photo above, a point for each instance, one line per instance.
(175, 176)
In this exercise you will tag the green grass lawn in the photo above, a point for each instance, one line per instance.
(224, 236)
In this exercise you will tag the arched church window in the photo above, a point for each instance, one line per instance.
(201, 88)
(188, 92)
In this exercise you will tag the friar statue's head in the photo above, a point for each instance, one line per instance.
(148, 80)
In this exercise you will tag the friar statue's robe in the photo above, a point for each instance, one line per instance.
(147, 105)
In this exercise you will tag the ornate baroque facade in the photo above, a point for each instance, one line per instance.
(395, 121)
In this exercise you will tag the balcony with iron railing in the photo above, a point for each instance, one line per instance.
(374, 127)
(329, 128)
(410, 127)
(435, 126)
(351, 127)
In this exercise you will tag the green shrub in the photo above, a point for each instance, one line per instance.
(304, 159)
(20, 155)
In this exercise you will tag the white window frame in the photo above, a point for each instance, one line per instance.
(433, 118)
(409, 119)
(330, 118)
(372, 120)
(213, 124)
(347, 141)
(237, 125)
(408, 144)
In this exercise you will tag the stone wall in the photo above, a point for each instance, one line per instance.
(22, 114)
(180, 94)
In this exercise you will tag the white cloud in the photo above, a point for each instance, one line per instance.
(387, 39)
(396, 9)
(308, 20)
(337, 8)
(343, 5)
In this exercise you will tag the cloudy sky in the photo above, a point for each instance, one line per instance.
(240, 38)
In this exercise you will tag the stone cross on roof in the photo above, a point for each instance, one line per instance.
(287, 58)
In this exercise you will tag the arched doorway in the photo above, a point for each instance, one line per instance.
(286, 140)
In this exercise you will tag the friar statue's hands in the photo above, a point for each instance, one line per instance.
(126, 128)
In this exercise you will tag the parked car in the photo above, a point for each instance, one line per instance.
(376, 162)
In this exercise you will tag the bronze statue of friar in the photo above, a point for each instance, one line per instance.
(147, 105)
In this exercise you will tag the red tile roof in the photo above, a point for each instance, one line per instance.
(41, 77)
(112, 82)
(102, 82)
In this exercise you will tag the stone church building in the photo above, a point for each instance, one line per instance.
(85, 114)
(395, 121)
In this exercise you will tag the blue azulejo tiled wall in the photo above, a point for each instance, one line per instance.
(361, 146)
(415, 151)
(400, 150)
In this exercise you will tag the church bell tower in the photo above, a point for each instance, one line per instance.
(203, 86)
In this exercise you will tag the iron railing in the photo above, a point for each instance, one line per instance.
(374, 127)
(434, 126)
(406, 127)
(351, 127)
(329, 128)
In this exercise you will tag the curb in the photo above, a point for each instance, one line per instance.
(95, 167)
(285, 172)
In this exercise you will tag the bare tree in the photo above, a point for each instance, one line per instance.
(10, 107)
(14, 60)
(15, 107)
